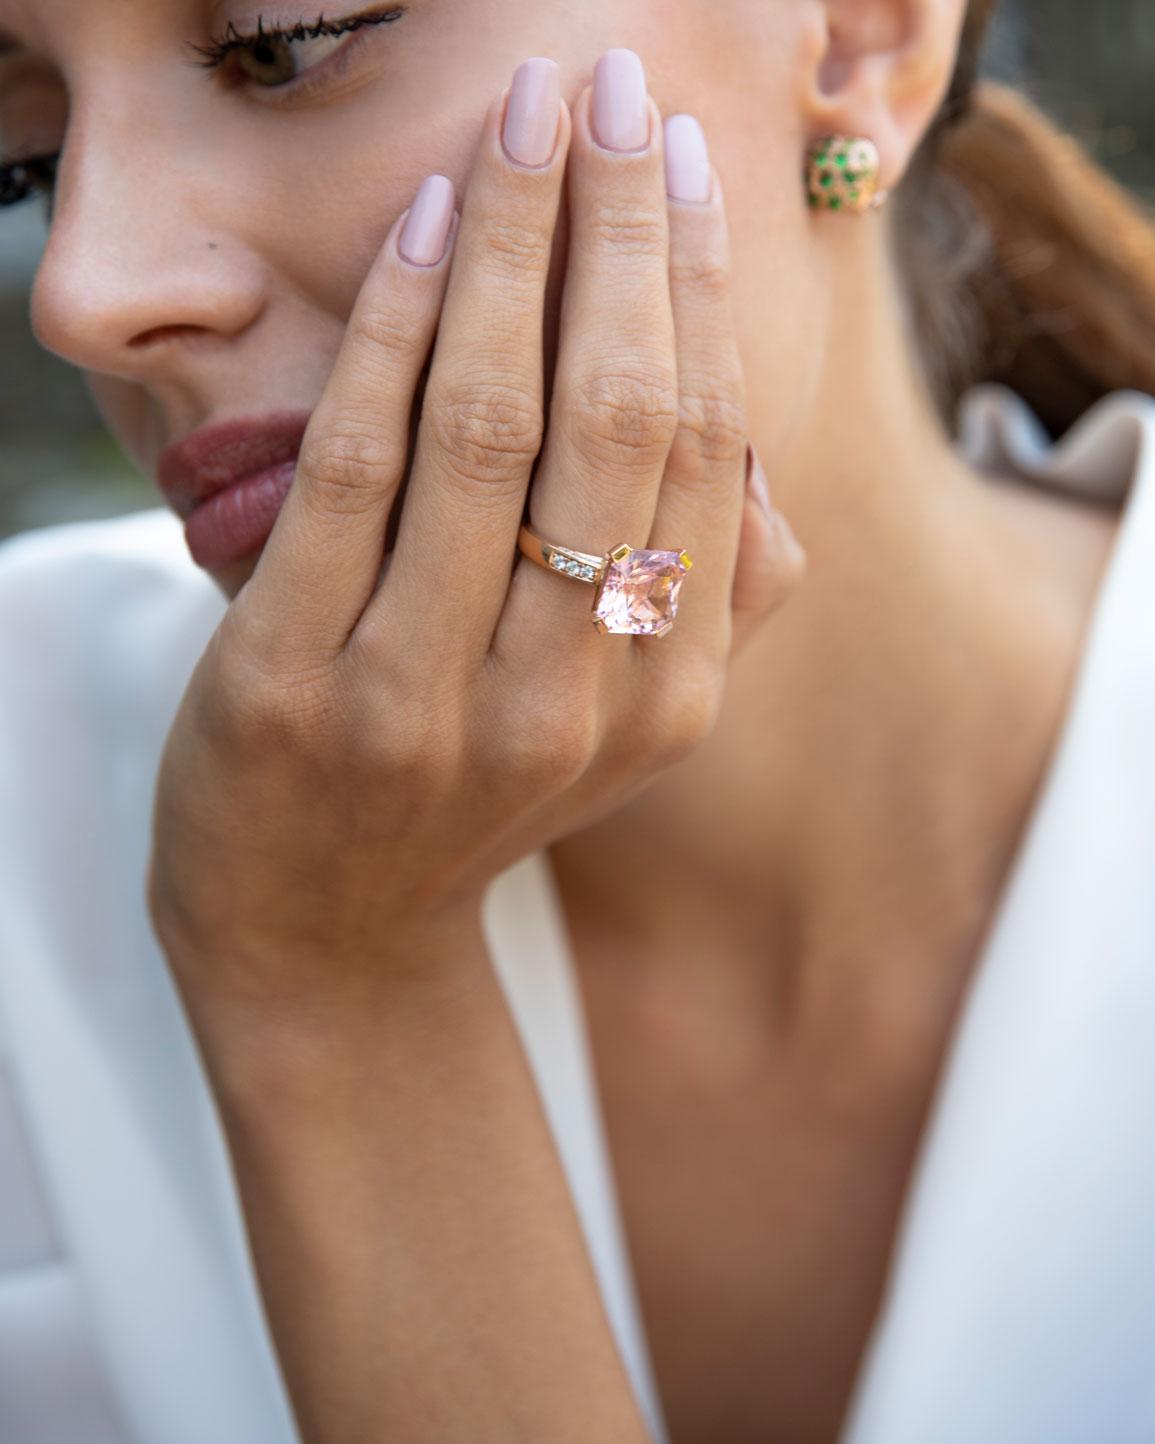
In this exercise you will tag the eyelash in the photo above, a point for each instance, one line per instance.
(219, 48)
(20, 179)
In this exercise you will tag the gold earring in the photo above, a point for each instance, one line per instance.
(842, 174)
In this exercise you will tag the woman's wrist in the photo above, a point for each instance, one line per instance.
(267, 1047)
(413, 1236)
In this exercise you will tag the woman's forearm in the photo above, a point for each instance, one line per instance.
(423, 1269)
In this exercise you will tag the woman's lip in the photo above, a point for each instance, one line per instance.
(218, 456)
(237, 519)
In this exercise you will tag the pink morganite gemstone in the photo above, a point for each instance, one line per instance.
(639, 594)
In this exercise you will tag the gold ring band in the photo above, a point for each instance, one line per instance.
(582, 566)
(636, 592)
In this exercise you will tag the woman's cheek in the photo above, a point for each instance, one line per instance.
(130, 416)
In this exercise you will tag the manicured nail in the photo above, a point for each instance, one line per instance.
(687, 160)
(756, 480)
(531, 113)
(621, 113)
(426, 230)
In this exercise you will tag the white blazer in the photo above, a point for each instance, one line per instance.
(1020, 1306)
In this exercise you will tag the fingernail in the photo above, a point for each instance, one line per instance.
(756, 480)
(621, 113)
(426, 230)
(531, 114)
(687, 160)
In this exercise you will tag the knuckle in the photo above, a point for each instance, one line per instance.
(256, 699)
(705, 274)
(381, 330)
(570, 745)
(626, 415)
(682, 706)
(262, 714)
(519, 247)
(422, 749)
(287, 718)
(401, 730)
(713, 430)
(486, 431)
(686, 713)
(628, 229)
(548, 756)
(347, 468)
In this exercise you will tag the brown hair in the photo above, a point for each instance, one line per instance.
(1028, 264)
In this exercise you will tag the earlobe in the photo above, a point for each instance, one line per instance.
(880, 68)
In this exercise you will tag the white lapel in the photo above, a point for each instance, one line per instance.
(123, 1129)
(1021, 1307)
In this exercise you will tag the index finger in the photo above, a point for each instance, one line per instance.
(323, 559)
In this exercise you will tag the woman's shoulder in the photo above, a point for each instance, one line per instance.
(106, 609)
(113, 550)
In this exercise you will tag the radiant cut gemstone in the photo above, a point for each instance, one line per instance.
(639, 593)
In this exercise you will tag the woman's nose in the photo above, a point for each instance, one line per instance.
(143, 257)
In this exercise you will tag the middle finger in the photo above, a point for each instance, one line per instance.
(614, 410)
(482, 416)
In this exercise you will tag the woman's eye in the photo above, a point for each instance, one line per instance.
(274, 61)
(278, 55)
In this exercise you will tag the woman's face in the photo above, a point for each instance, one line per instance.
(210, 228)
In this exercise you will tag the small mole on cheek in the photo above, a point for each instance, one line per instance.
(212, 245)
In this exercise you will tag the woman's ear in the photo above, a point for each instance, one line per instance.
(879, 68)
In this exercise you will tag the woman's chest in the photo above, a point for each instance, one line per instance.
(760, 1209)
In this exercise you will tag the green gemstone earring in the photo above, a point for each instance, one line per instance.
(842, 174)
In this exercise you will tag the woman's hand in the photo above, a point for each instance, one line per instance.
(362, 748)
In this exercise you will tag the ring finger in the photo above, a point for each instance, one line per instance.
(482, 416)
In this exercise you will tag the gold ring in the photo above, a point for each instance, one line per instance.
(636, 592)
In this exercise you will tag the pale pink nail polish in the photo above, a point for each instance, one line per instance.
(620, 114)
(531, 113)
(758, 484)
(425, 233)
(687, 160)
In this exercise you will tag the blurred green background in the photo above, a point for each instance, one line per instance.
(1090, 63)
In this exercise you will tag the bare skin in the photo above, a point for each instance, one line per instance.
(835, 846)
